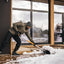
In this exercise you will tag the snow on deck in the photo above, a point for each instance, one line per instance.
(57, 58)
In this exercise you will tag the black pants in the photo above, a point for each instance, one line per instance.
(8, 39)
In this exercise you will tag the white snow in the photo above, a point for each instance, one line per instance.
(34, 52)
(52, 50)
(57, 58)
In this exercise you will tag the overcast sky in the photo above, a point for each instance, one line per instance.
(39, 19)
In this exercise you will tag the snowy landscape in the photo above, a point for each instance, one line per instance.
(56, 57)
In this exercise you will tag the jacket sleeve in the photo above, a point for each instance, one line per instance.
(28, 35)
(15, 26)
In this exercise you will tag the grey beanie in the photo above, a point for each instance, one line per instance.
(29, 24)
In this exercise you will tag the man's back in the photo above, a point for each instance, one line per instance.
(18, 26)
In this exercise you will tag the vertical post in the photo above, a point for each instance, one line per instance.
(11, 13)
(31, 20)
(63, 28)
(11, 26)
(51, 20)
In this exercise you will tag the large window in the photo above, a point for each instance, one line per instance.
(18, 15)
(20, 12)
(40, 6)
(21, 4)
(35, 12)
(59, 10)
(58, 27)
(23, 16)
(40, 22)
(40, 27)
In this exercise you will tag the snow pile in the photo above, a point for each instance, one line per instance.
(57, 58)
(52, 50)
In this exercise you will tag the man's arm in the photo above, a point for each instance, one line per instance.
(28, 35)
(15, 26)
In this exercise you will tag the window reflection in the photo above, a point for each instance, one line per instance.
(40, 6)
(58, 23)
(58, 27)
(20, 16)
(58, 8)
(21, 4)
(40, 27)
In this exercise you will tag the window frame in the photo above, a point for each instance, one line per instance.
(31, 10)
(31, 17)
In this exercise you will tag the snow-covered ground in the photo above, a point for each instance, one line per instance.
(57, 58)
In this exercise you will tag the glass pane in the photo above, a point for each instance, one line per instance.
(21, 4)
(20, 15)
(40, 27)
(23, 16)
(58, 8)
(58, 27)
(40, 6)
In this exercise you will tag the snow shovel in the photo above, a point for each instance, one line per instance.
(35, 45)
(44, 51)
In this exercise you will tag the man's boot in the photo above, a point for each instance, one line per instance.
(14, 53)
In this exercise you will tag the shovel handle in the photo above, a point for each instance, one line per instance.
(33, 44)
(37, 46)
(30, 42)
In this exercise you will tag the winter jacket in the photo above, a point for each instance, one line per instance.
(19, 28)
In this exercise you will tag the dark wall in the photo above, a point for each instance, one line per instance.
(5, 21)
(63, 28)
(62, 18)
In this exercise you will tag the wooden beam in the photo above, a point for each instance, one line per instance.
(36, 10)
(51, 20)
(11, 26)
(59, 3)
(44, 1)
(63, 28)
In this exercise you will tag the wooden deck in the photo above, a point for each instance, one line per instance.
(30, 48)
(24, 48)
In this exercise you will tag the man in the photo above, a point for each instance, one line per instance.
(15, 31)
